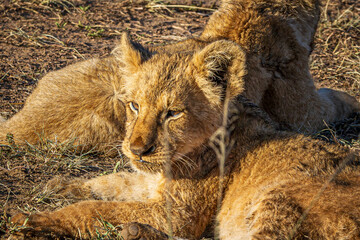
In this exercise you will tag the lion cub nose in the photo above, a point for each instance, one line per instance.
(140, 149)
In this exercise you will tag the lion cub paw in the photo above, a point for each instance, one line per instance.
(28, 224)
(138, 231)
(68, 188)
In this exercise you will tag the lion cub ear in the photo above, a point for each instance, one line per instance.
(130, 53)
(220, 67)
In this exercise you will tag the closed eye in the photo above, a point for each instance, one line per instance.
(173, 114)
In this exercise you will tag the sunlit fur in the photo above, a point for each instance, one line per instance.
(276, 185)
(280, 34)
(179, 82)
(83, 102)
(270, 177)
(79, 103)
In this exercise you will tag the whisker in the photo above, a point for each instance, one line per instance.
(189, 160)
(185, 163)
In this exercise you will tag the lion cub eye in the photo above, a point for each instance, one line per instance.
(173, 114)
(134, 107)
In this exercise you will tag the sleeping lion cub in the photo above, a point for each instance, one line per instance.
(167, 104)
(86, 101)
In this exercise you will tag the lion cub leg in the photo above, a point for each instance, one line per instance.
(85, 219)
(190, 213)
(187, 204)
(121, 186)
(303, 108)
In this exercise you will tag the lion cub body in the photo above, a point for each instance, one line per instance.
(77, 103)
(172, 100)
(276, 185)
(280, 34)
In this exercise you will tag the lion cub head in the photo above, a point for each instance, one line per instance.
(174, 99)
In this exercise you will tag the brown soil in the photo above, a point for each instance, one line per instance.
(38, 36)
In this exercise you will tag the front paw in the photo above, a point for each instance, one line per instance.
(138, 231)
(28, 225)
(19, 219)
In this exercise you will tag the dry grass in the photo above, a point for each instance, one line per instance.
(336, 57)
(27, 168)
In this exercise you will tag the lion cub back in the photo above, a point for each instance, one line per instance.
(77, 103)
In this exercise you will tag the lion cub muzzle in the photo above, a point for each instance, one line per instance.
(142, 140)
(140, 149)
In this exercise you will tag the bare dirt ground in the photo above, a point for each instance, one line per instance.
(38, 36)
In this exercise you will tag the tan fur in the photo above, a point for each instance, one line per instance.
(271, 179)
(83, 102)
(287, 84)
(80, 102)
(174, 102)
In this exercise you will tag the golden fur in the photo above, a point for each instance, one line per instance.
(272, 181)
(275, 39)
(78, 102)
(174, 100)
(280, 35)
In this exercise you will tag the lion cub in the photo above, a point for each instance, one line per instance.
(275, 185)
(85, 101)
(171, 101)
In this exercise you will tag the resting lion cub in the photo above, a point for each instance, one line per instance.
(166, 105)
(276, 185)
(85, 101)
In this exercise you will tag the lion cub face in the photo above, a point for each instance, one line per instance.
(173, 103)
